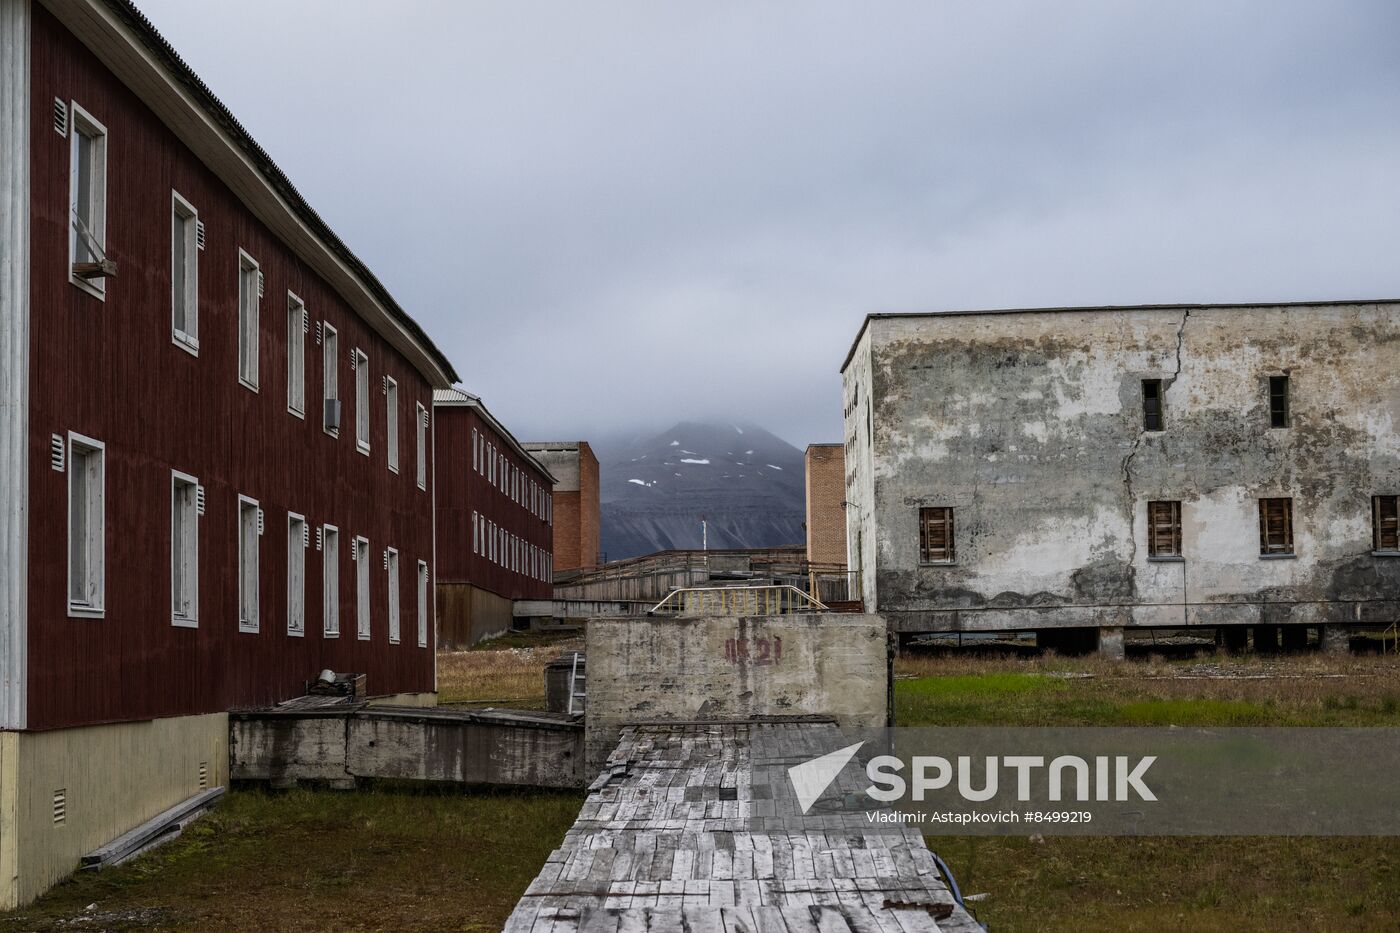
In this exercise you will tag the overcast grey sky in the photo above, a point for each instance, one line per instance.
(622, 214)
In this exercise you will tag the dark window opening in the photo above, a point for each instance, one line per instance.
(1164, 529)
(936, 535)
(1275, 526)
(1385, 518)
(1152, 404)
(1278, 401)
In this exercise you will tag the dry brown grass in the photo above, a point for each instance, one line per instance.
(512, 677)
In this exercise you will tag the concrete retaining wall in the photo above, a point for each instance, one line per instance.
(733, 668)
(341, 744)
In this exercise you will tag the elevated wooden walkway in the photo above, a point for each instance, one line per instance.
(683, 832)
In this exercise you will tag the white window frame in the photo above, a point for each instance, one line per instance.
(252, 624)
(249, 319)
(391, 574)
(330, 581)
(84, 123)
(363, 590)
(186, 339)
(186, 552)
(491, 459)
(296, 556)
(421, 424)
(296, 355)
(95, 547)
(423, 594)
(362, 420)
(476, 520)
(391, 422)
(330, 373)
(476, 451)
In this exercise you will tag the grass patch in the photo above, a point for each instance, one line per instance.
(301, 860)
(502, 676)
(1184, 883)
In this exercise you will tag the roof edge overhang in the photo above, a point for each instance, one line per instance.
(1182, 306)
(126, 43)
(465, 399)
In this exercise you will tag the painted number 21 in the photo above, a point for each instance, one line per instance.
(761, 651)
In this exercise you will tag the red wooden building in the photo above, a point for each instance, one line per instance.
(215, 439)
(495, 517)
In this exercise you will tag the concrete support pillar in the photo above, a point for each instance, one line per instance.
(1266, 639)
(1295, 637)
(1336, 639)
(1233, 638)
(1111, 643)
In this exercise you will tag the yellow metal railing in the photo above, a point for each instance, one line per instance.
(737, 601)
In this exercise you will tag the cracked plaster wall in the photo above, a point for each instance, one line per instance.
(1029, 425)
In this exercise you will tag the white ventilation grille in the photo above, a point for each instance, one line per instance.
(60, 117)
(354, 554)
(199, 234)
(386, 385)
(305, 322)
(260, 522)
(355, 359)
(58, 452)
(318, 333)
(425, 417)
(199, 499)
(260, 284)
(386, 558)
(60, 806)
(203, 774)
(305, 535)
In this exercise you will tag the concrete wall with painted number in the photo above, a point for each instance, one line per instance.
(1031, 427)
(734, 668)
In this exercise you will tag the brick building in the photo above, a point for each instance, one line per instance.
(826, 515)
(495, 515)
(576, 499)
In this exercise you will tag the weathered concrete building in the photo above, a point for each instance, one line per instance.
(1081, 470)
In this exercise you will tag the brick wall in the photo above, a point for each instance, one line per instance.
(588, 506)
(826, 488)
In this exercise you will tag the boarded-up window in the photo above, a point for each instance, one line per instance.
(1164, 529)
(330, 581)
(296, 574)
(1278, 401)
(392, 559)
(249, 310)
(935, 535)
(184, 549)
(422, 604)
(362, 588)
(1152, 404)
(1385, 512)
(248, 533)
(1275, 526)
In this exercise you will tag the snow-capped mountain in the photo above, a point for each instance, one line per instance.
(747, 484)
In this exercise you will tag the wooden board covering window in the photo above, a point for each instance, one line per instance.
(935, 535)
(1385, 512)
(1275, 526)
(1164, 529)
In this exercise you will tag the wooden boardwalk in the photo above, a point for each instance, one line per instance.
(684, 831)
